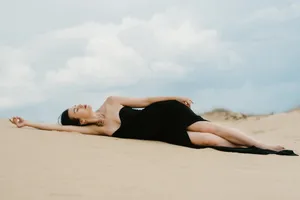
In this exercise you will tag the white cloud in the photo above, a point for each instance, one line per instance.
(113, 55)
(107, 61)
(114, 52)
(276, 13)
(17, 84)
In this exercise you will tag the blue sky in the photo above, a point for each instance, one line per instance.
(240, 55)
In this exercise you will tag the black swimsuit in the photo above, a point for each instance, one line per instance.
(167, 121)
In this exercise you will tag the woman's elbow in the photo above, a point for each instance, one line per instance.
(111, 99)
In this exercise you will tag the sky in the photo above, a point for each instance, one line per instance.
(238, 55)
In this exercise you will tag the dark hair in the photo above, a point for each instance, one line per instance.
(66, 120)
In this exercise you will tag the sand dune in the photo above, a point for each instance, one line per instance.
(51, 165)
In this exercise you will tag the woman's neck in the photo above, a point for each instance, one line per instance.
(99, 115)
(98, 118)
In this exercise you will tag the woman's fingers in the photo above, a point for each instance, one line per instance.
(11, 120)
(187, 104)
(16, 120)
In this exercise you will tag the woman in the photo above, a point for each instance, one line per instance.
(167, 119)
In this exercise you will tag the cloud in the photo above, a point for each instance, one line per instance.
(149, 48)
(111, 55)
(276, 13)
(17, 83)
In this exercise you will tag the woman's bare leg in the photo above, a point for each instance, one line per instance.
(233, 135)
(209, 139)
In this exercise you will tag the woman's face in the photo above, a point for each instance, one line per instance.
(80, 111)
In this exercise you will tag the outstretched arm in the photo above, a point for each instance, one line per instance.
(19, 122)
(145, 101)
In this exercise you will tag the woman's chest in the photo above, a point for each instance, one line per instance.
(111, 118)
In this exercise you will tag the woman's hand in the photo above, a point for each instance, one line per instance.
(18, 121)
(185, 101)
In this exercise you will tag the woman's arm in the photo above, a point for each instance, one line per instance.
(19, 122)
(57, 127)
(145, 101)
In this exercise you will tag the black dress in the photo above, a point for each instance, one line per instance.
(167, 121)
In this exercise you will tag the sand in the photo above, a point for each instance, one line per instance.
(52, 165)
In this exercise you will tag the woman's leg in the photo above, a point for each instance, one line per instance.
(233, 135)
(209, 139)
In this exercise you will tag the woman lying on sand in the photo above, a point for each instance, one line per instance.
(167, 119)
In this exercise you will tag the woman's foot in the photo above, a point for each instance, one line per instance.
(273, 147)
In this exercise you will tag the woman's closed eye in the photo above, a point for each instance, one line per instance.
(75, 109)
